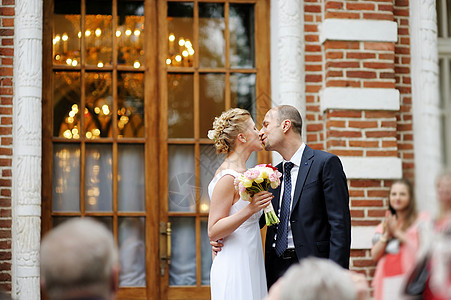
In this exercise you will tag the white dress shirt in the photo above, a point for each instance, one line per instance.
(296, 160)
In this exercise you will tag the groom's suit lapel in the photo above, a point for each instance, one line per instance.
(306, 163)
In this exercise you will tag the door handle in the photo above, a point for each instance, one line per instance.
(165, 246)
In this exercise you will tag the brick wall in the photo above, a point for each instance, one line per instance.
(6, 100)
(360, 133)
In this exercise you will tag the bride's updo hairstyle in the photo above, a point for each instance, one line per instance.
(226, 128)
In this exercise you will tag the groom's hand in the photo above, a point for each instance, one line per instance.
(216, 246)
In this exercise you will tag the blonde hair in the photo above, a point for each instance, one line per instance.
(226, 128)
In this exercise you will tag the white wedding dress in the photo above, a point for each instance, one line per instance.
(238, 271)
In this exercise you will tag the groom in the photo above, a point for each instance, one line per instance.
(312, 202)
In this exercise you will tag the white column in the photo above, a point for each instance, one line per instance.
(425, 99)
(287, 54)
(26, 168)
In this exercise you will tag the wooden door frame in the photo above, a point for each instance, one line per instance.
(262, 64)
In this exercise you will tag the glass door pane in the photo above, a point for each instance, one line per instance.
(66, 178)
(132, 251)
(211, 35)
(99, 33)
(180, 34)
(98, 178)
(211, 100)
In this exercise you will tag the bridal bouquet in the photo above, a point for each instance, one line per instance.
(258, 179)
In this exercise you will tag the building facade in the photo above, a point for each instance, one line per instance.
(105, 105)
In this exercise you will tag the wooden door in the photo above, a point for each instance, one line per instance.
(130, 90)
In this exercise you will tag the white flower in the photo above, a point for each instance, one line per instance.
(211, 135)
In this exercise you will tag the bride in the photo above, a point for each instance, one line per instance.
(238, 270)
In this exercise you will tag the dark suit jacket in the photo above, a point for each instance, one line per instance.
(320, 218)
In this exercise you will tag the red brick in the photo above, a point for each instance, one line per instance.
(8, 2)
(336, 143)
(379, 114)
(311, 38)
(6, 32)
(334, 74)
(8, 22)
(342, 64)
(373, 134)
(333, 5)
(376, 16)
(384, 7)
(356, 193)
(388, 124)
(346, 152)
(377, 193)
(384, 153)
(387, 56)
(6, 141)
(341, 45)
(359, 6)
(387, 75)
(384, 46)
(313, 58)
(378, 65)
(308, 18)
(344, 114)
(341, 15)
(377, 213)
(314, 127)
(364, 144)
(360, 55)
(349, 134)
(6, 11)
(6, 172)
(7, 42)
(357, 213)
(334, 55)
(312, 48)
(5, 193)
(403, 31)
(313, 89)
(6, 121)
(365, 183)
(364, 222)
(401, 12)
(377, 84)
(6, 61)
(364, 263)
(313, 78)
(5, 182)
(361, 74)
(366, 203)
(6, 151)
(342, 83)
(389, 144)
(313, 68)
(363, 124)
(6, 71)
(312, 8)
(5, 130)
(335, 123)
(310, 28)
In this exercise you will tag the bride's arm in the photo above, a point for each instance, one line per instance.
(220, 224)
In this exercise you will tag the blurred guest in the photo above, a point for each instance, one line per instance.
(319, 279)
(438, 245)
(79, 260)
(396, 242)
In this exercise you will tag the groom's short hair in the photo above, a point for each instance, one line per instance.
(288, 112)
